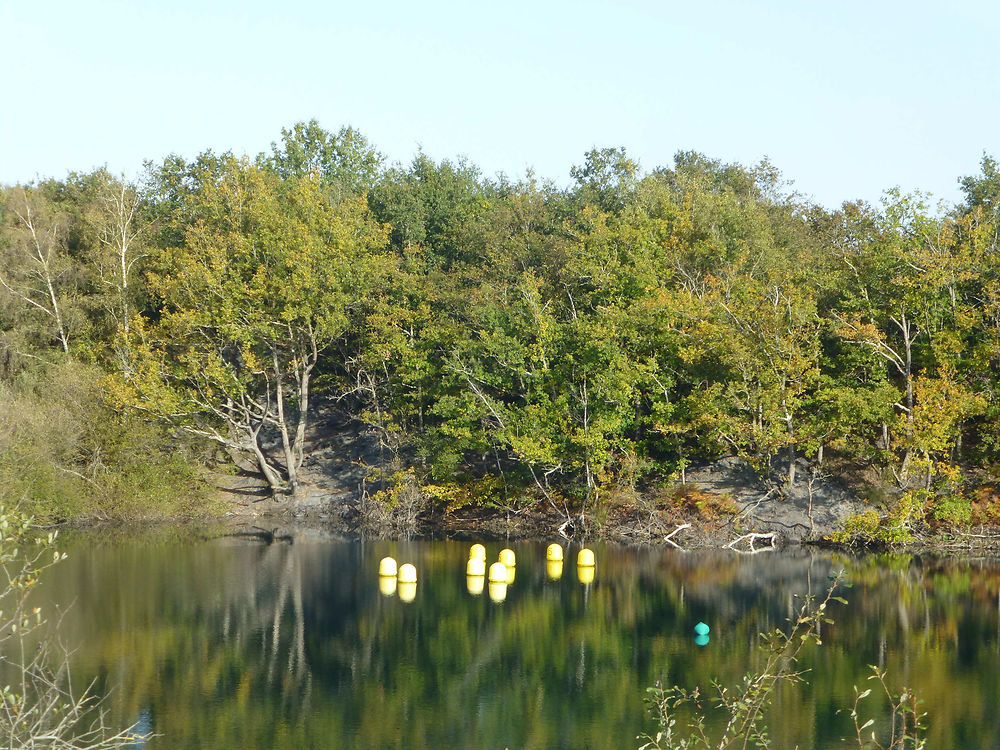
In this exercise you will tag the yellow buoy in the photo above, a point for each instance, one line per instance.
(407, 591)
(585, 558)
(585, 573)
(478, 551)
(498, 573)
(387, 567)
(554, 569)
(554, 552)
(387, 585)
(507, 558)
(498, 591)
(475, 567)
(475, 584)
(407, 574)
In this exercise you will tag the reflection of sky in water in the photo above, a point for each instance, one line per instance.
(299, 645)
(142, 727)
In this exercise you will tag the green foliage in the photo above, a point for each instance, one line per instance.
(484, 492)
(284, 268)
(345, 161)
(64, 453)
(893, 527)
(549, 337)
(906, 720)
(952, 510)
(395, 509)
(864, 527)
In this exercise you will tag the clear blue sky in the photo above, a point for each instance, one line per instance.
(846, 98)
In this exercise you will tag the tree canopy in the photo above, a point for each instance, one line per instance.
(555, 342)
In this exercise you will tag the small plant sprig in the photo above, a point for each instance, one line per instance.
(743, 706)
(38, 707)
(906, 721)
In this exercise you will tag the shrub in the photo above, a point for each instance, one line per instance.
(64, 452)
(690, 498)
(896, 526)
(952, 510)
(395, 509)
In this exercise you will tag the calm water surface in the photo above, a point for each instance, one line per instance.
(231, 644)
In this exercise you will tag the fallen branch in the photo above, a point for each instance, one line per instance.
(562, 529)
(571, 523)
(751, 539)
(754, 504)
(680, 527)
(979, 536)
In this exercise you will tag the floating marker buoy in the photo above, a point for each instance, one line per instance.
(407, 591)
(554, 552)
(507, 558)
(475, 584)
(387, 567)
(477, 551)
(701, 629)
(498, 573)
(475, 567)
(585, 558)
(498, 591)
(387, 585)
(701, 640)
(554, 569)
(407, 573)
(585, 573)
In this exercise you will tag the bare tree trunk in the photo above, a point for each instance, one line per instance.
(272, 477)
(586, 436)
(906, 328)
(63, 339)
(274, 480)
(791, 446)
(119, 234)
(39, 249)
(291, 469)
(300, 429)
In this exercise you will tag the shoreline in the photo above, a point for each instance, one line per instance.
(270, 522)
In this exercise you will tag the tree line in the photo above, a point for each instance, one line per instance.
(506, 338)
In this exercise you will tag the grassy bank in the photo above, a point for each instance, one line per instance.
(66, 454)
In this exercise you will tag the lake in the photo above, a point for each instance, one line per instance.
(237, 644)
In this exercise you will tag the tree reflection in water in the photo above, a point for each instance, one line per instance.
(236, 644)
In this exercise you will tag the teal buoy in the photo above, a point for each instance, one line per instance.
(701, 629)
(701, 640)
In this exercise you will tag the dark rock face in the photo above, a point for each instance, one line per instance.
(340, 451)
(810, 509)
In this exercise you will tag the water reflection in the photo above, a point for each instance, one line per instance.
(475, 584)
(554, 569)
(228, 644)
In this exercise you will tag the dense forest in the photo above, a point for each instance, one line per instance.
(503, 338)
